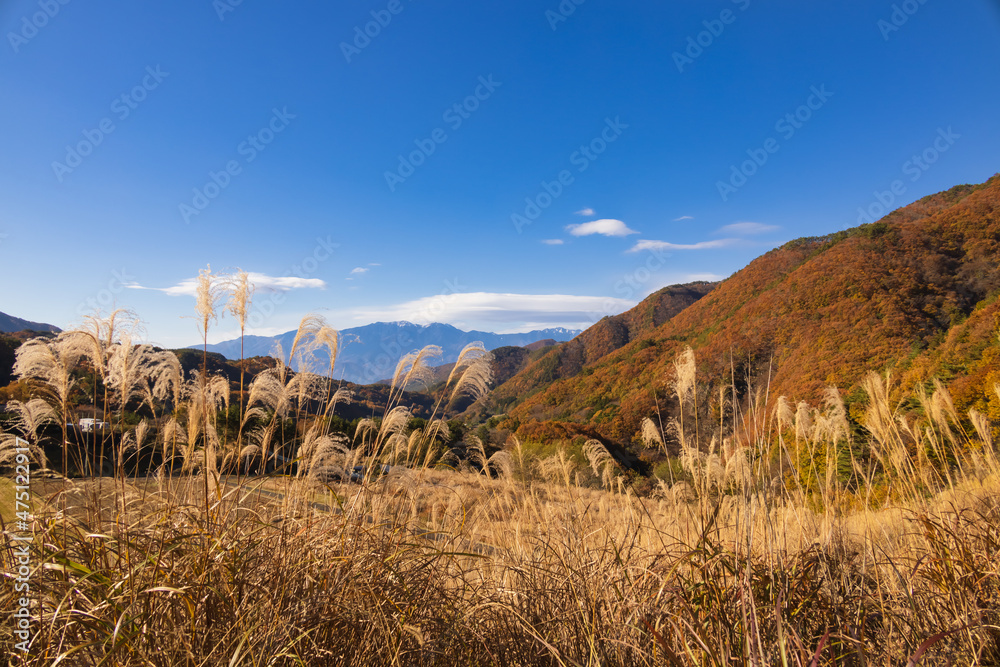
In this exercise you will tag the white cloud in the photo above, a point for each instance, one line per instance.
(664, 245)
(585, 211)
(684, 217)
(606, 227)
(261, 282)
(358, 270)
(499, 312)
(747, 228)
(553, 241)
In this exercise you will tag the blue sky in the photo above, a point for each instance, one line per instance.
(499, 166)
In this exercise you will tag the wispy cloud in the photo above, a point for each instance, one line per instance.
(684, 217)
(605, 227)
(665, 245)
(499, 311)
(261, 282)
(553, 241)
(747, 228)
(358, 270)
(585, 211)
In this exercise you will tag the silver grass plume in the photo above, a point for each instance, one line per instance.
(397, 445)
(51, 363)
(503, 463)
(31, 416)
(413, 368)
(837, 428)
(331, 454)
(10, 443)
(981, 423)
(474, 370)
(307, 448)
(209, 292)
(327, 337)
(451, 458)
(477, 454)
(343, 395)
(651, 434)
(558, 467)
(394, 422)
(141, 371)
(163, 379)
(240, 291)
(685, 372)
(784, 413)
(306, 386)
(803, 422)
(133, 441)
(172, 431)
(302, 344)
(738, 470)
(413, 443)
(601, 461)
(364, 428)
(438, 428)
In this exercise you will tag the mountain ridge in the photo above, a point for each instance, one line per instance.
(569, 358)
(369, 353)
(11, 324)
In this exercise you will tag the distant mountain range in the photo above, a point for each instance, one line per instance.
(11, 324)
(369, 354)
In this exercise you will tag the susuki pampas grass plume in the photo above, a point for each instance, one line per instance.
(474, 371)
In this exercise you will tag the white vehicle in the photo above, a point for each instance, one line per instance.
(90, 425)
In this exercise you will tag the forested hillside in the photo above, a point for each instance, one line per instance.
(915, 292)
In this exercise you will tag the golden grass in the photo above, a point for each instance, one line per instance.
(444, 567)
(756, 557)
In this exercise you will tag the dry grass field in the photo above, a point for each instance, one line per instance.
(791, 543)
(443, 567)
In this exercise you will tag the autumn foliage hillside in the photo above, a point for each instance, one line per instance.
(565, 360)
(915, 292)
